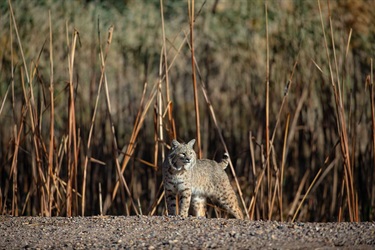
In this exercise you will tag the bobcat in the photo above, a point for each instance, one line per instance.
(195, 181)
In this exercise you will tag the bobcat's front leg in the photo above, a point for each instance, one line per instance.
(171, 202)
(185, 198)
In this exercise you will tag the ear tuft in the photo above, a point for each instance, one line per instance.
(175, 143)
(191, 143)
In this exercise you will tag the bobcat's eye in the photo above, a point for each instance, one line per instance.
(182, 155)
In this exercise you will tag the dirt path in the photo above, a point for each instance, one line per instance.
(113, 232)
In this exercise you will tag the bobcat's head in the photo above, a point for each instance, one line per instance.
(182, 156)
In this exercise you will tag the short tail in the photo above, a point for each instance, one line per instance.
(225, 161)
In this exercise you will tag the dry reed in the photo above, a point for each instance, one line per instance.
(59, 160)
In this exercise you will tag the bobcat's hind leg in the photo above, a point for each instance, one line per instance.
(230, 203)
(199, 206)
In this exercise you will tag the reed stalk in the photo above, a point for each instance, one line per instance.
(52, 123)
(30, 102)
(283, 160)
(115, 144)
(193, 74)
(372, 96)
(341, 122)
(267, 113)
(305, 195)
(88, 146)
(141, 114)
(171, 126)
(72, 136)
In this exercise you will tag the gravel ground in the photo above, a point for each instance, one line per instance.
(142, 232)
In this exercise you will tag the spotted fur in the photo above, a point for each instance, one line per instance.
(196, 180)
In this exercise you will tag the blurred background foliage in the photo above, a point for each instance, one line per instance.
(230, 49)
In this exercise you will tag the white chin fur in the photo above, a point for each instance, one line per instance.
(188, 166)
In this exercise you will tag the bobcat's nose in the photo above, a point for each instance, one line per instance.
(187, 160)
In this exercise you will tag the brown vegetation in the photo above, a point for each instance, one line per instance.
(286, 87)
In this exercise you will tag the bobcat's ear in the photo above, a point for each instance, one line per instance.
(191, 143)
(174, 144)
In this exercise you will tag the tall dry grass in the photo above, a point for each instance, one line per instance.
(92, 94)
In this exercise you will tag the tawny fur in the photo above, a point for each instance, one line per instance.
(195, 181)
